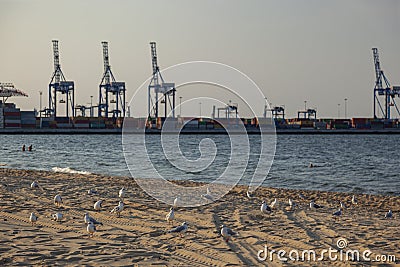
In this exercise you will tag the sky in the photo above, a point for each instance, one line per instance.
(295, 51)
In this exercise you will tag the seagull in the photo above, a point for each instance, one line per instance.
(89, 219)
(292, 204)
(273, 203)
(314, 205)
(265, 208)
(122, 192)
(181, 229)
(226, 232)
(57, 217)
(91, 229)
(208, 195)
(176, 202)
(342, 205)
(248, 194)
(302, 196)
(338, 212)
(97, 205)
(33, 218)
(58, 200)
(91, 191)
(34, 184)
(170, 216)
(118, 209)
(389, 214)
(354, 200)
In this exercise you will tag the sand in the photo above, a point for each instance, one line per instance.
(139, 238)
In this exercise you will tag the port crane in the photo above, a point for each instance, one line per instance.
(163, 92)
(59, 85)
(111, 92)
(387, 92)
(7, 90)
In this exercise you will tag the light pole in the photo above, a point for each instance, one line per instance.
(345, 108)
(91, 106)
(305, 105)
(180, 106)
(338, 110)
(40, 103)
(200, 108)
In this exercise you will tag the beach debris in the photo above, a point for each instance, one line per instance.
(57, 217)
(389, 215)
(338, 213)
(34, 184)
(170, 216)
(92, 191)
(208, 195)
(314, 205)
(33, 218)
(176, 200)
(91, 229)
(273, 203)
(181, 229)
(58, 200)
(265, 208)
(97, 205)
(227, 233)
(88, 219)
(354, 200)
(121, 193)
(118, 209)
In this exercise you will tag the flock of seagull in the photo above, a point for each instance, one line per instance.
(225, 232)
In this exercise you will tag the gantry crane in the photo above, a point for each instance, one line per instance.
(167, 90)
(111, 92)
(388, 92)
(59, 85)
(7, 90)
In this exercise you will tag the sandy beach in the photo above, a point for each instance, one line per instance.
(139, 238)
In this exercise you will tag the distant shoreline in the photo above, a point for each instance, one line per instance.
(201, 131)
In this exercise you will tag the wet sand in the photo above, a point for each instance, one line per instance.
(139, 238)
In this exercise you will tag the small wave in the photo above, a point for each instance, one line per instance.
(68, 170)
(3, 164)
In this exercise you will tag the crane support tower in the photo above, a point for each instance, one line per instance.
(59, 85)
(112, 94)
(384, 95)
(163, 92)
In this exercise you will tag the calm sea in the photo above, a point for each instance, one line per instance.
(344, 163)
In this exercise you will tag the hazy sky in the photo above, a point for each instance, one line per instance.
(319, 51)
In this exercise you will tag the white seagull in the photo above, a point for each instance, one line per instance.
(91, 191)
(34, 184)
(354, 200)
(342, 205)
(389, 214)
(208, 196)
(33, 218)
(88, 219)
(97, 205)
(273, 203)
(122, 192)
(91, 229)
(176, 202)
(170, 216)
(118, 209)
(248, 194)
(181, 229)
(292, 204)
(57, 217)
(226, 233)
(265, 208)
(58, 200)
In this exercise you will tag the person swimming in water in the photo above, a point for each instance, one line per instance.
(30, 148)
(23, 148)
